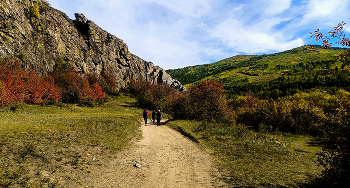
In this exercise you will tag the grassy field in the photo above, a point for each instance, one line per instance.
(38, 145)
(253, 159)
(50, 146)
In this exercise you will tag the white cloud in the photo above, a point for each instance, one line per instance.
(325, 12)
(275, 7)
(254, 37)
(193, 8)
(178, 33)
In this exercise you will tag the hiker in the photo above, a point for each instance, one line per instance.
(154, 116)
(145, 115)
(159, 117)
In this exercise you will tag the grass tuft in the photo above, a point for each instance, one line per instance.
(255, 159)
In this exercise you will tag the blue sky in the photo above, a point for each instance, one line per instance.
(179, 33)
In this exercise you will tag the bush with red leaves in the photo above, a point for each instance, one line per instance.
(106, 80)
(204, 101)
(21, 85)
(77, 89)
(152, 96)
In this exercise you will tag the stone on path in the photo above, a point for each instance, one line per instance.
(138, 165)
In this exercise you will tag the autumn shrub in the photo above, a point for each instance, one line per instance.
(20, 85)
(142, 92)
(76, 88)
(152, 96)
(92, 78)
(203, 101)
(180, 106)
(41, 89)
(336, 157)
(285, 115)
(322, 99)
(108, 82)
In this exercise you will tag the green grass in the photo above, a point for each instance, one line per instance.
(250, 159)
(36, 139)
(238, 70)
(192, 74)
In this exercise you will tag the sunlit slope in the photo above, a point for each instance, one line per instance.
(239, 70)
(192, 74)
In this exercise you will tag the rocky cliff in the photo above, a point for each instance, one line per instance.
(42, 36)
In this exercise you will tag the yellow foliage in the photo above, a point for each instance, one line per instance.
(286, 116)
(35, 10)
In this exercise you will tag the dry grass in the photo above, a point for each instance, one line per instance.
(42, 146)
(251, 159)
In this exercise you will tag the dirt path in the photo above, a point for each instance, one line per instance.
(168, 159)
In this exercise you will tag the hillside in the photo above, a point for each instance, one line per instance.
(43, 37)
(243, 73)
(194, 73)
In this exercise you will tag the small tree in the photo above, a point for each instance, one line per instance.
(337, 159)
(152, 96)
(203, 101)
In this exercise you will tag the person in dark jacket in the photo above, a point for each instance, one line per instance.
(154, 116)
(145, 115)
(159, 117)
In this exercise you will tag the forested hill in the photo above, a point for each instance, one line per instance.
(264, 74)
(194, 73)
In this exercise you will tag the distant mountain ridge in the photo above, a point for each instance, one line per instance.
(250, 68)
(42, 36)
(301, 69)
(194, 73)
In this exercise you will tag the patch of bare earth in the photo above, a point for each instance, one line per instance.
(164, 157)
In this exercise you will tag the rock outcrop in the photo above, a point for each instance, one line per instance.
(42, 36)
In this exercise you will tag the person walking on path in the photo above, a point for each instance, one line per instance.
(145, 115)
(159, 117)
(154, 116)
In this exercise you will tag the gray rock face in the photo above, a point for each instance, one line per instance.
(41, 35)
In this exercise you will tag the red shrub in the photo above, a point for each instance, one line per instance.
(151, 95)
(97, 92)
(76, 89)
(204, 101)
(108, 82)
(20, 85)
(93, 78)
(180, 106)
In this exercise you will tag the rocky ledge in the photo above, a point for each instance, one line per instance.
(42, 36)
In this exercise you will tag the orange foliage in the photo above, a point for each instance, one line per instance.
(77, 89)
(20, 85)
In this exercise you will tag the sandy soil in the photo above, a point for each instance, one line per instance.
(167, 159)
